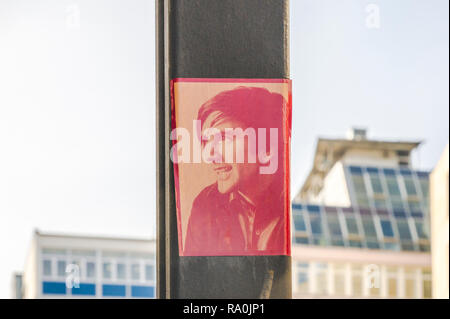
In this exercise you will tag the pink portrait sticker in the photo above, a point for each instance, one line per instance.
(231, 155)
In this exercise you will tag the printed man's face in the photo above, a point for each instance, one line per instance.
(230, 175)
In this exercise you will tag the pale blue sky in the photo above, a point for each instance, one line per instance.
(77, 104)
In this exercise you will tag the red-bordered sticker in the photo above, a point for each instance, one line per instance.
(231, 156)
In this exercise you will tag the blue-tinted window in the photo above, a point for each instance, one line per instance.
(61, 268)
(356, 170)
(84, 290)
(414, 205)
(397, 202)
(333, 224)
(424, 175)
(113, 290)
(373, 244)
(297, 206)
(386, 226)
(409, 185)
(422, 232)
(403, 229)
(376, 183)
(405, 172)
(392, 185)
(107, 270)
(330, 209)
(302, 277)
(372, 170)
(313, 208)
(369, 227)
(142, 291)
(319, 240)
(337, 242)
(392, 246)
(299, 221)
(417, 214)
(407, 245)
(121, 271)
(149, 272)
(316, 224)
(360, 190)
(90, 269)
(47, 267)
(399, 213)
(379, 203)
(352, 226)
(355, 243)
(301, 240)
(425, 187)
(54, 288)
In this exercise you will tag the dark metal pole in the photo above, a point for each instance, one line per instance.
(160, 153)
(214, 39)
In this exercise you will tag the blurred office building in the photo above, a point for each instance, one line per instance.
(439, 226)
(361, 222)
(70, 266)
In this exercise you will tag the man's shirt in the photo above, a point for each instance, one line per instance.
(231, 224)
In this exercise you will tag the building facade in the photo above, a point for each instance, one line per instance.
(440, 226)
(361, 223)
(69, 266)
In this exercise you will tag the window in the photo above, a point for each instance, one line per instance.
(369, 227)
(392, 275)
(352, 227)
(90, 269)
(410, 283)
(316, 223)
(414, 205)
(135, 272)
(333, 225)
(403, 229)
(410, 291)
(376, 184)
(301, 240)
(302, 278)
(355, 243)
(121, 271)
(392, 185)
(424, 187)
(61, 268)
(379, 203)
(339, 280)
(426, 293)
(357, 281)
(78, 263)
(299, 221)
(47, 267)
(386, 226)
(321, 277)
(397, 203)
(372, 243)
(149, 272)
(409, 185)
(107, 270)
(360, 190)
(422, 232)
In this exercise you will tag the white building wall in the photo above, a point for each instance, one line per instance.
(30, 275)
(335, 189)
(439, 200)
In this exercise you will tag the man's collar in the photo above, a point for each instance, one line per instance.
(240, 195)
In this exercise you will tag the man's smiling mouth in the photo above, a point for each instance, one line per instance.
(223, 171)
